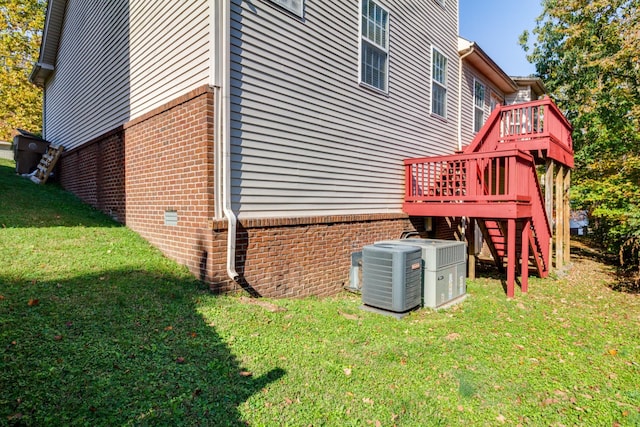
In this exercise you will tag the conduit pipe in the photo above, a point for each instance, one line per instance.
(221, 82)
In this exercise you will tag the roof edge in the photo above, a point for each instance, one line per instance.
(50, 41)
(472, 52)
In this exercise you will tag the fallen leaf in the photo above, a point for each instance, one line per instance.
(58, 337)
(453, 336)
(180, 360)
(519, 347)
(1, 297)
(347, 371)
(246, 374)
(68, 324)
(613, 352)
(501, 419)
(33, 302)
(348, 316)
(168, 328)
(193, 334)
(367, 401)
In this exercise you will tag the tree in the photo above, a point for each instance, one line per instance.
(588, 54)
(21, 23)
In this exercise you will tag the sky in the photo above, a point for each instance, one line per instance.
(496, 25)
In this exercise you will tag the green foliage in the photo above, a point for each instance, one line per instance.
(21, 23)
(588, 54)
(98, 328)
(610, 191)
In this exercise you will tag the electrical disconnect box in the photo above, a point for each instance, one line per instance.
(444, 269)
(391, 277)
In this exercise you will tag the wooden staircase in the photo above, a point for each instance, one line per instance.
(494, 181)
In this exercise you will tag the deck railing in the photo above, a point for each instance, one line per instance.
(498, 176)
(528, 121)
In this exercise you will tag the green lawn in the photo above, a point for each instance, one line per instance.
(97, 328)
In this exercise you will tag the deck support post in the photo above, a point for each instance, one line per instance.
(567, 216)
(511, 257)
(559, 234)
(524, 259)
(471, 248)
(548, 202)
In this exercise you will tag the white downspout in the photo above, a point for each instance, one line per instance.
(460, 96)
(221, 82)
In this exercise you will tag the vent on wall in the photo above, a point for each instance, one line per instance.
(171, 217)
(391, 277)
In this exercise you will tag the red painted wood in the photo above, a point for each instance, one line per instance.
(511, 260)
(494, 179)
(524, 259)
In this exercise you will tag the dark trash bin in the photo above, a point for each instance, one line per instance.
(27, 151)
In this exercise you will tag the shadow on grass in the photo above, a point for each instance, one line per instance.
(28, 205)
(586, 249)
(626, 281)
(120, 347)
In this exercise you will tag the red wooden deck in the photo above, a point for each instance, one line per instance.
(494, 181)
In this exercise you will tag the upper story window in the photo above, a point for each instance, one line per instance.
(438, 83)
(374, 45)
(478, 105)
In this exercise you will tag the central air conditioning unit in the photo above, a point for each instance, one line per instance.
(445, 269)
(391, 277)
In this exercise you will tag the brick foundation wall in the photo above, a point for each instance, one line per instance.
(95, 173)
(163, 161)
(168, 166)
(296, 257)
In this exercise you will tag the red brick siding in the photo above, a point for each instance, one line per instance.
(95, 173)
(169, 166)
(311, 257)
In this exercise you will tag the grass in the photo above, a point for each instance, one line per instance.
(97, 328)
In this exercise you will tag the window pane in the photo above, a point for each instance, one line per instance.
(478, 119)
(374, 66)
(479, 95)
(439, 71)
(438, 99)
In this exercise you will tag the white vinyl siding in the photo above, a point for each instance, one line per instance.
(374, 45)
(438, 83)
(118, 59)
(306, 139)
(478, 105)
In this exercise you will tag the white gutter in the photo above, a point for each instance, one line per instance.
(460, 95)
(221, 82)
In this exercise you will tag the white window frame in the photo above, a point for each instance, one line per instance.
(366, 42)
(478, 109)
(441, 85)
